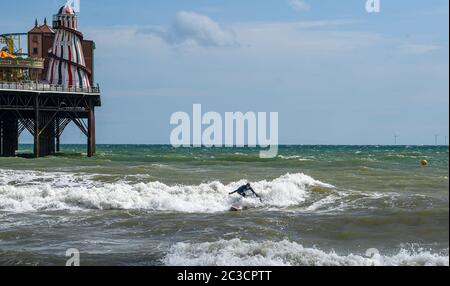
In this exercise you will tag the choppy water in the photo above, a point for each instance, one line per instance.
(155, 205)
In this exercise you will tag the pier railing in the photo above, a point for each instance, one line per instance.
(44, 87)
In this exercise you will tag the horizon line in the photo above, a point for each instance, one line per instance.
(257, 147)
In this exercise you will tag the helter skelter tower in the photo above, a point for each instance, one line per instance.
(67, 65)
(44, 109)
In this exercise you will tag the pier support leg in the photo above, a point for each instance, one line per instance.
(94, 140)
(36, 131)
(47, 136)
(94, 137)
(57, 131)
(91, 132)
(10, 133)
(1, 137)
(17, 142)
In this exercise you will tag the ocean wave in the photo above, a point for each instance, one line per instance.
(294, 157)
(236, 252)
(55, 179)
(46, 191)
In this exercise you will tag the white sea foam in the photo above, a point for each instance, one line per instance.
(55, 179)
(32, 191)
(293, 157)
(326, 203)
(285, 253)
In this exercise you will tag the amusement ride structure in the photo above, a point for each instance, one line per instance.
(48, 87)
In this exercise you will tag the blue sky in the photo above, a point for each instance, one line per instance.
(335, 74)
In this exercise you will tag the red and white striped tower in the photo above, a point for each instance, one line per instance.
(67, 65)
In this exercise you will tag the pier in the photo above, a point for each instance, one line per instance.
(45, 111)
(48, 87)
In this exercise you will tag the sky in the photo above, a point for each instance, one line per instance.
(334, 73)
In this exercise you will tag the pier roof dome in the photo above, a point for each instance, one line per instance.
(66, 10)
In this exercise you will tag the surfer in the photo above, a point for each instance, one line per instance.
(243, 190)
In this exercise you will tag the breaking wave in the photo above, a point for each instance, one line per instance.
(294, 157)
(29, 192)
(285, 253)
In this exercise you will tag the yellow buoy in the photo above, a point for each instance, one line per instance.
(424, 163)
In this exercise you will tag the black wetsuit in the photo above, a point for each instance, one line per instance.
(242, 191)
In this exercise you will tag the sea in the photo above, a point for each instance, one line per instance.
(155, 205)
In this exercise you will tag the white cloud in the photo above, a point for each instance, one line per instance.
(419, 48)
(299, 25)
(191, 27)
(299, 5)
(275, 40)
(269, 40)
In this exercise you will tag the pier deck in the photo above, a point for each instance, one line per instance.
(45, 111)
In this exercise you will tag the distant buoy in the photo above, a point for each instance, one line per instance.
(424, 163)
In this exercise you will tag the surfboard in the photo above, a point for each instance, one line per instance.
(236, 208)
